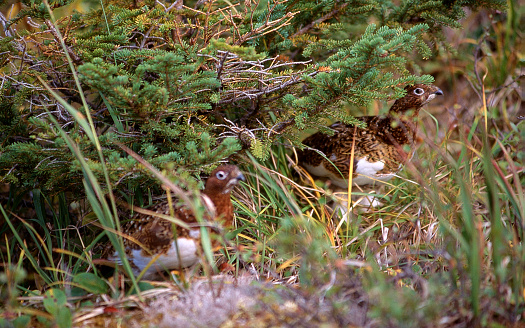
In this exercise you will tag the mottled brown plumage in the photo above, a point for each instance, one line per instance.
(378, 148)
(152, 237)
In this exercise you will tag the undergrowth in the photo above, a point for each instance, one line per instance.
(445, 248)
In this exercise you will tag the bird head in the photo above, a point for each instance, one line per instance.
(223, 179)
(416, 97)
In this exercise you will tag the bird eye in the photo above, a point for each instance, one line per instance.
(220, 175)
(419, 91)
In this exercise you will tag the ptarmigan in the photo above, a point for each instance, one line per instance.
(378, 149)
(153, 238)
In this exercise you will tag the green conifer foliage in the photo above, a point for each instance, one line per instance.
(187, 84)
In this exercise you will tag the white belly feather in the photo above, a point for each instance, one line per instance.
(366, 173)
(181, 254)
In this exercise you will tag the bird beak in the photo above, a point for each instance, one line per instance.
(438, 92)
(240, 177)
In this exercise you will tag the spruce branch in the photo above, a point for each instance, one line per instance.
(318, 21)
(161, 78)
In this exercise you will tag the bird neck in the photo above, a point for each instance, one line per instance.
(223, 206)
(397, 106)
(402, 121)
(400, 129)
(402, 110)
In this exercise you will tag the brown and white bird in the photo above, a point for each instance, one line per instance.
(378, 148)
(149, 237)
